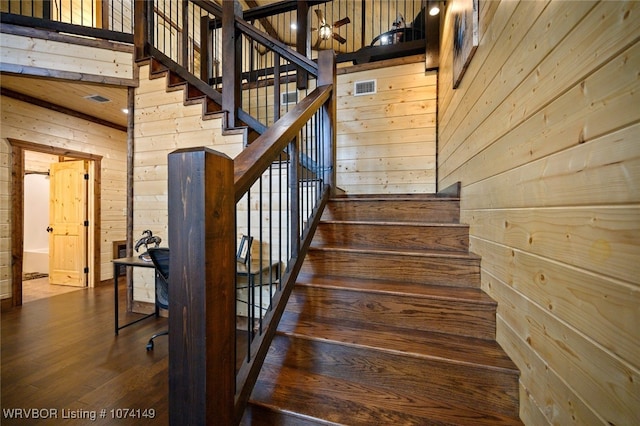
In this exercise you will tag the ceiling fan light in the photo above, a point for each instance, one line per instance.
(325, 32)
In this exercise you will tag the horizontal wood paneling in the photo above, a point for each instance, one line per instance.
(386, 140)
(5, 219)
(609, 386)
(20, 51)
(543, 134)
(601, 240)
(605, 309)
(163, 124)
(49, 128)
(544, 397)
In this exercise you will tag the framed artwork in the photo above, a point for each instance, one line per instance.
(465, 36)
(244, 249)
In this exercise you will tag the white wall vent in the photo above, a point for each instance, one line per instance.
(289, 98)
(365, 87)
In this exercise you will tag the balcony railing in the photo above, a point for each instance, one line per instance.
(111, 20)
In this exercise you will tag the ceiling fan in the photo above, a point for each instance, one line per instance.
(325, 32)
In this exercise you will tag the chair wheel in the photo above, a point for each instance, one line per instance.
(150, 345)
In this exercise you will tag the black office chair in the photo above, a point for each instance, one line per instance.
(160, 258)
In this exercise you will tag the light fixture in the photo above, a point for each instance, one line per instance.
(434, 10)
(325, 32)
(294, 26)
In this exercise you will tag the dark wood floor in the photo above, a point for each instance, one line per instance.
(61, 354)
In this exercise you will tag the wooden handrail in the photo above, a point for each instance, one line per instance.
(254, 160)
(273, 44)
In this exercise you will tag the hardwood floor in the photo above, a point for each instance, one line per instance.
(60, 354)
(40, 288)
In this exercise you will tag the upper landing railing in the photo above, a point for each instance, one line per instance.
(108, 20)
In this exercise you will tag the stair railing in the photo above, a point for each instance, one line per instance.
(258, 72)
(220, 327)
(239, 228)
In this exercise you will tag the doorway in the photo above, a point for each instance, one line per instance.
(22, 149)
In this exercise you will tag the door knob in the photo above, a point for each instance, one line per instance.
(49, 229)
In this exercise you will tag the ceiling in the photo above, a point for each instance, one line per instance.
(70, 96)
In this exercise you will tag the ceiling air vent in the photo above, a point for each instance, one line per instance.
(289, 98)
(366, 87)
(98, 98)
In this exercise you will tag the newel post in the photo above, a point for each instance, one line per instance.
(201, 288)
(327, 75)
(142, 23)
(231, 60)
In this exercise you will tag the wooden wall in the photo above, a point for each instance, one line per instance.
(543, 133)
(386, 141)
(5, 217)
(164, 124)
(45, 54)
(37, 125)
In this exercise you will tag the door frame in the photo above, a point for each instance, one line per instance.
(18, 148)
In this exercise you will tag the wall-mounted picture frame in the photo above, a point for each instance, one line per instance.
(465, 36)
(244, 249)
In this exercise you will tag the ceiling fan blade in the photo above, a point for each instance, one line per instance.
(341, 22)
(339, 38)
(317, 43)
(320, 16)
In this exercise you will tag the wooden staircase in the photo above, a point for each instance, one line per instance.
(387, 324)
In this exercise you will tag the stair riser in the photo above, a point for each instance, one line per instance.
(257, 415)
(460, 385)
(393, 236)
(461, 272)
(461, 318)
(436, 210)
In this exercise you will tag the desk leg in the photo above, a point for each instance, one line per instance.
(129, 298)
(115, 292)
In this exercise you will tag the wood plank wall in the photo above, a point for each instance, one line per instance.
(164, 124)
(5, 216)
(386, 141)
(42, 126)
(92, 60)
(543, 134)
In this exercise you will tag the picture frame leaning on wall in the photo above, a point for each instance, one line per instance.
(465, 36)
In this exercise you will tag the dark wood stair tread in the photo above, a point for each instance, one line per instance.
(461, 384)
(400, 207)
(410, 311)
(343, 401)
(447, 348)
(401, 252)
(467, 294)
(394, 197)
(425, 224)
